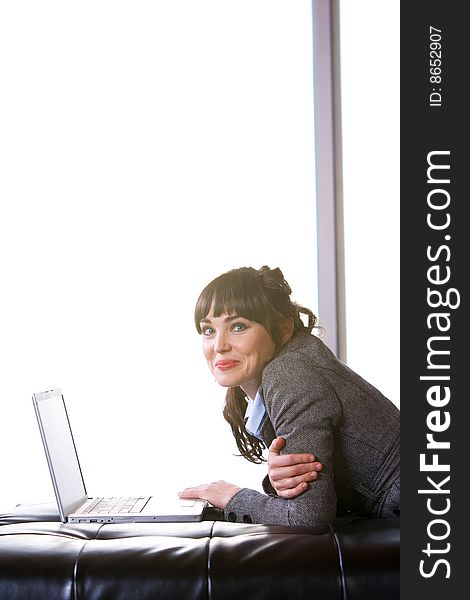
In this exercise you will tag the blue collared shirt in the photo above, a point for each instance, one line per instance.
(255, 415)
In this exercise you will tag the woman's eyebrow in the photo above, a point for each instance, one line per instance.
(232, 318)
(226, 320)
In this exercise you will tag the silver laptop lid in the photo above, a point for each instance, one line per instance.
(61, 454)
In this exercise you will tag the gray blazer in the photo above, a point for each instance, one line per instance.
(321, 406)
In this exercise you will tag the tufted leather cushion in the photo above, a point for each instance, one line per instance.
(42, 559)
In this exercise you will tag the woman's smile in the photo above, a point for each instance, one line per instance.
(225, 365)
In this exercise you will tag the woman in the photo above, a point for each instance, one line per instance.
(285, 386)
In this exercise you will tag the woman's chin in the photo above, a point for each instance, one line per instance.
(226, 381)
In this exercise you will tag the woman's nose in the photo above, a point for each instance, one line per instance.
(221, 343)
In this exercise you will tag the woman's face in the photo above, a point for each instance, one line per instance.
(236, 350)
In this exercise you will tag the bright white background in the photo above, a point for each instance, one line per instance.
(145, 148)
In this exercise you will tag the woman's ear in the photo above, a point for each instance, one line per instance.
(287, 329)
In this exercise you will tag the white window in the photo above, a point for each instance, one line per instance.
(370, 90)
(146, 147)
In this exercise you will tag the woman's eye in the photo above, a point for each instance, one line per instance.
(238, 327)
(207, 331)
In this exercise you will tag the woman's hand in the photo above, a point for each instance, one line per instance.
(217, 493)
(289, 474)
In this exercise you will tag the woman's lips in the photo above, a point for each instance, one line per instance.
(225, 365)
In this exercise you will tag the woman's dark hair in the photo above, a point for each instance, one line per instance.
(262, 296)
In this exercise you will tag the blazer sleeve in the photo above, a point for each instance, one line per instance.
(304, 409)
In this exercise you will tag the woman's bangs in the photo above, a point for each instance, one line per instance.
(232, 297)
(236, 302)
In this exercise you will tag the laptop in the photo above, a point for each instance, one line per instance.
(75, 506)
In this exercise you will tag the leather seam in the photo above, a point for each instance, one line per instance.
(75, 569)
(75, 566)
(341, 565)
(208, 569)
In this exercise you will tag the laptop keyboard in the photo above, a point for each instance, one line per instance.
(124, 505)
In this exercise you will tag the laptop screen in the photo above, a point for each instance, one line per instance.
(60, 450)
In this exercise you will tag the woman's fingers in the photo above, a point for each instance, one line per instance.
(277, 445)
(217, 493)
(293, 492)
(293, 482)
(277, 461)
(287, 460)
(279, 473)
(290, 473)
(196, 493)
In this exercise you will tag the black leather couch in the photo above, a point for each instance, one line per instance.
(43, 559)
